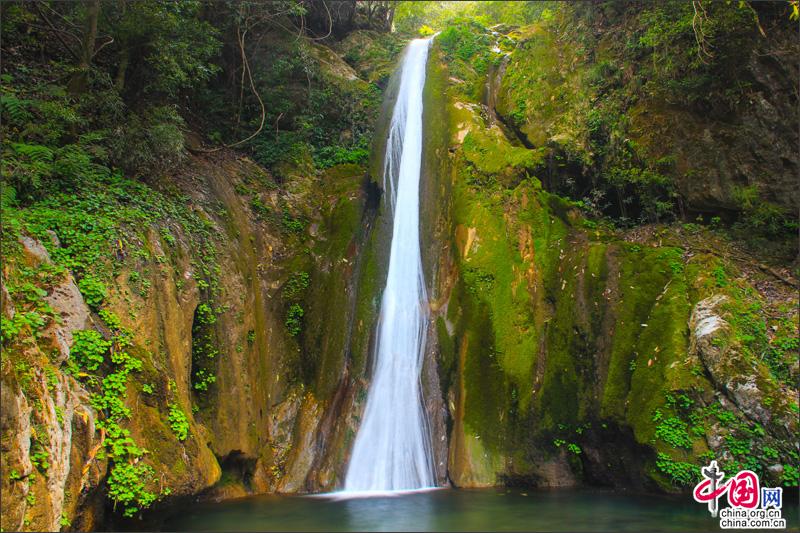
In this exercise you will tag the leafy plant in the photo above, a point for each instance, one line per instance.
(93, 291)
(29, 321)
(790, 476)
(178, 422)
(672, 430)
(294, 319)
(202, 380)
(292, 224)
(127, 486)
(296, 285)
(39, 457)
(204, 347)
(678, 472)
(89, 348)
(260, 209)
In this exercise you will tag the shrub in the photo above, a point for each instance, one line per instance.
(152, 144)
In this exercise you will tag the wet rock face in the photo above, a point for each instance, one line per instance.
(15, 424)
(757, 150)
(48, 451)
(561, 348)
(743, 382)
(707, 325)
(711, 339)
(278, 416)
(715, 147)
(65, 299)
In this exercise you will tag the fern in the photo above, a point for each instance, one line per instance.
(74, 162)
(26, 165)
(8, 195)
(36, 153)
(16, 109)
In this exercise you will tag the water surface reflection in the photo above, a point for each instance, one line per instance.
(459, 510)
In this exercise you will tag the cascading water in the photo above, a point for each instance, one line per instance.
(392, 450)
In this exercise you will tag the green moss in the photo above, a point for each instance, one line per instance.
(372, 54)
(178, 422)
(491, 272)
(560, 321)
(543, 93)
(326, 336)
(486, 406)
(491, 154)
(367, 306)
(466, 45)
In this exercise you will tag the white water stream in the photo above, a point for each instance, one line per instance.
(392, 451)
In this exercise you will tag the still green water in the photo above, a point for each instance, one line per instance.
(459, 510)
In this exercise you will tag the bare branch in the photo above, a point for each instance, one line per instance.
(62, 17)
(58, 32)
(699, 34)
(246, 67)
(109, 41)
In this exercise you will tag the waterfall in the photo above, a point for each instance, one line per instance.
(392, 450)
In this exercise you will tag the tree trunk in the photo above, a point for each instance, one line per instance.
(79, 81)
(390, 18)
(119, 81)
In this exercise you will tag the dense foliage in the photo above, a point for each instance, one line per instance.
(608, 105)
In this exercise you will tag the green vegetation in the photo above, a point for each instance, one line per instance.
(93, 291)
(679, 473)
(178, 422)
(621, 109)
(89, 348)
(127, 486)
(127, 478)
(425, 17)
(213, 155)
(467, 47)
(204, 348)
(536, 277)
(296, 286)
(293, 292)
(672, 430)
(93, 222)
(294, 319)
